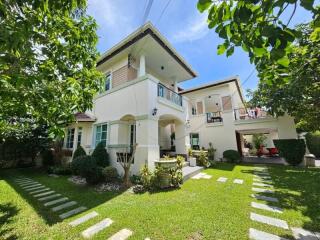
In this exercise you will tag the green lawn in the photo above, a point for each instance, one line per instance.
(201, 209)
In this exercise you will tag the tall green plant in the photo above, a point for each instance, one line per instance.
(292, 150)
(258, 139)
(78, 152)
(313, 143)
(101, 155)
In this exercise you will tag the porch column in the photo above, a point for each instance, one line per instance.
(148, 147)
(182, 138)
(142, 65)
(175, 87)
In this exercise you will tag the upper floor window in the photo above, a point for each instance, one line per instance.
(70, 138)
(107, 83)
(101, 134)
(226, 103)
(200, 107)
(193, 110)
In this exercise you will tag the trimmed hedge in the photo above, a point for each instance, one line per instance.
(86, 166)
(292, 150)
(101, 155)
(232, 156)
(78, 152)
(313, 143)
(110, 174)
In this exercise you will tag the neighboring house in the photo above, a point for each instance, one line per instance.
(140, 103)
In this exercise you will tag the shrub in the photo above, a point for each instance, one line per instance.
(47, 158)
(136, 179)
(258, 139)
(139, 189)
(78, 152)
(211, 153)
(59, 170)
(81, 164)
(232, 156)
(110, 174)
(313, 143)
(94, 175)
(292, 150)
(100, 155)
(202, 159)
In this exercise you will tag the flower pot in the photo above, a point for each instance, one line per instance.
(165, 176)
(192, 161)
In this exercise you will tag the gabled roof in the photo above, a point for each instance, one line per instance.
(84, 117)
(145, 30)
(217, 83)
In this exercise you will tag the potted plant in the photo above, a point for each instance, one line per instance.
(163, 170)
(192, 160)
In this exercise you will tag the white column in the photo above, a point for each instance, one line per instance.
(182, 138)
(142, 66)
(175, 86)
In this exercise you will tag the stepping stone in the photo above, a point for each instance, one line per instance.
(27, 183)
(222, 179)
(261, 174)
(238, 181)
(260, 235)
(207, 176)
(261, 180)
(50, 197)
(34, 188)
(60, 200)
(262, 177)
(262, 184)
(24, 181)
(72, 212)
(198, 176)
(269, 220)
(89, 232)
(83, 219)
(262, 190)
(266, 207)
(123, 234)
(302, 234)
(40, 190)
(264, 198)
(43, 194)
(63, 206)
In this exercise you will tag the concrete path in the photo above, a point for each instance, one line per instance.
(83, 219)
(123, 234)
(89, 232)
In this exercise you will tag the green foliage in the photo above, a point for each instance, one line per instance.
(292, 150)
(87, 167)
(202, 159)
(211, 153)
(110, 174)
(313, 143)
(100, 155)
(258, 139)
(47, 158)
(190, 152)
(59, 170)
(94, 175)
(136, 179)
(78, 152)
(47, 61)
(232, 156)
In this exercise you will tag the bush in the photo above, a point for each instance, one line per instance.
(81, 164)
(211, 153)
(78, 152)
(110, 174)
(136, 179)
(258, 139)
(100, 155)
(94, 175)
(47, 158)
(313, 143)
(292, 150)
(232, 156)
(139, 189)
(202, 159)
(59, 170)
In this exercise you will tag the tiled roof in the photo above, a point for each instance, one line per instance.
(84, 117)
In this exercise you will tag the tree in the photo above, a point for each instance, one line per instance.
(47, 61)
(126, 159)
(101, 155)
(286, 58)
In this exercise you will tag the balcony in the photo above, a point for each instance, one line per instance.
(169, 95)
(213, 117)
(249, 114)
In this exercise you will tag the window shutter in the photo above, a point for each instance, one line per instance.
(226, 103)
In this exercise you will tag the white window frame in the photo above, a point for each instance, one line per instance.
(69, 140)
(96, 132)
(79, 133)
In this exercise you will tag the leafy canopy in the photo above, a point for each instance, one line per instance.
(47, 61)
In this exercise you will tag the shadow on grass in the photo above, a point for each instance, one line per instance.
(299, 189)
(7, 212)
(83, 195)
(224, 166)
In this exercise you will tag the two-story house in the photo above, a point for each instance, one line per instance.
(140, 102)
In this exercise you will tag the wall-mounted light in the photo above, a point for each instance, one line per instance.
(188, 123)
(162, 67)
(154, 111)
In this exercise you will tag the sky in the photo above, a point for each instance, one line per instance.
(186, 29)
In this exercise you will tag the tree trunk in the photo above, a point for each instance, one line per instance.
(126, 180)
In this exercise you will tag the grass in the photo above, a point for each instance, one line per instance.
(201, 209)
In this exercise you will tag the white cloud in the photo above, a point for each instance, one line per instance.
(195, 29)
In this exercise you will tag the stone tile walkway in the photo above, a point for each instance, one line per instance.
(302, 234)
(202, 176)
(83, 219)
(89, 232)
(238, 181)
(123, 234)
(222, 179)
(260, 235)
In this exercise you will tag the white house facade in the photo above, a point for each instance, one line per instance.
(141, 103)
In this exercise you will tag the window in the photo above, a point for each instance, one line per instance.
(200, 107)
(194, 141)
(107, 84)
(79, 136)
(193, 110)
(226, 103)
(101, 134)
(70, 137)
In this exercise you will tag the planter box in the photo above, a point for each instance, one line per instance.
(166, 164)
(165, 177)
(192, 161)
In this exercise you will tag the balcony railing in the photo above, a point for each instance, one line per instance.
(170, 95)
(244, 114)
(213, 117)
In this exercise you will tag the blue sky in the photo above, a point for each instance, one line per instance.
(185, 28)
